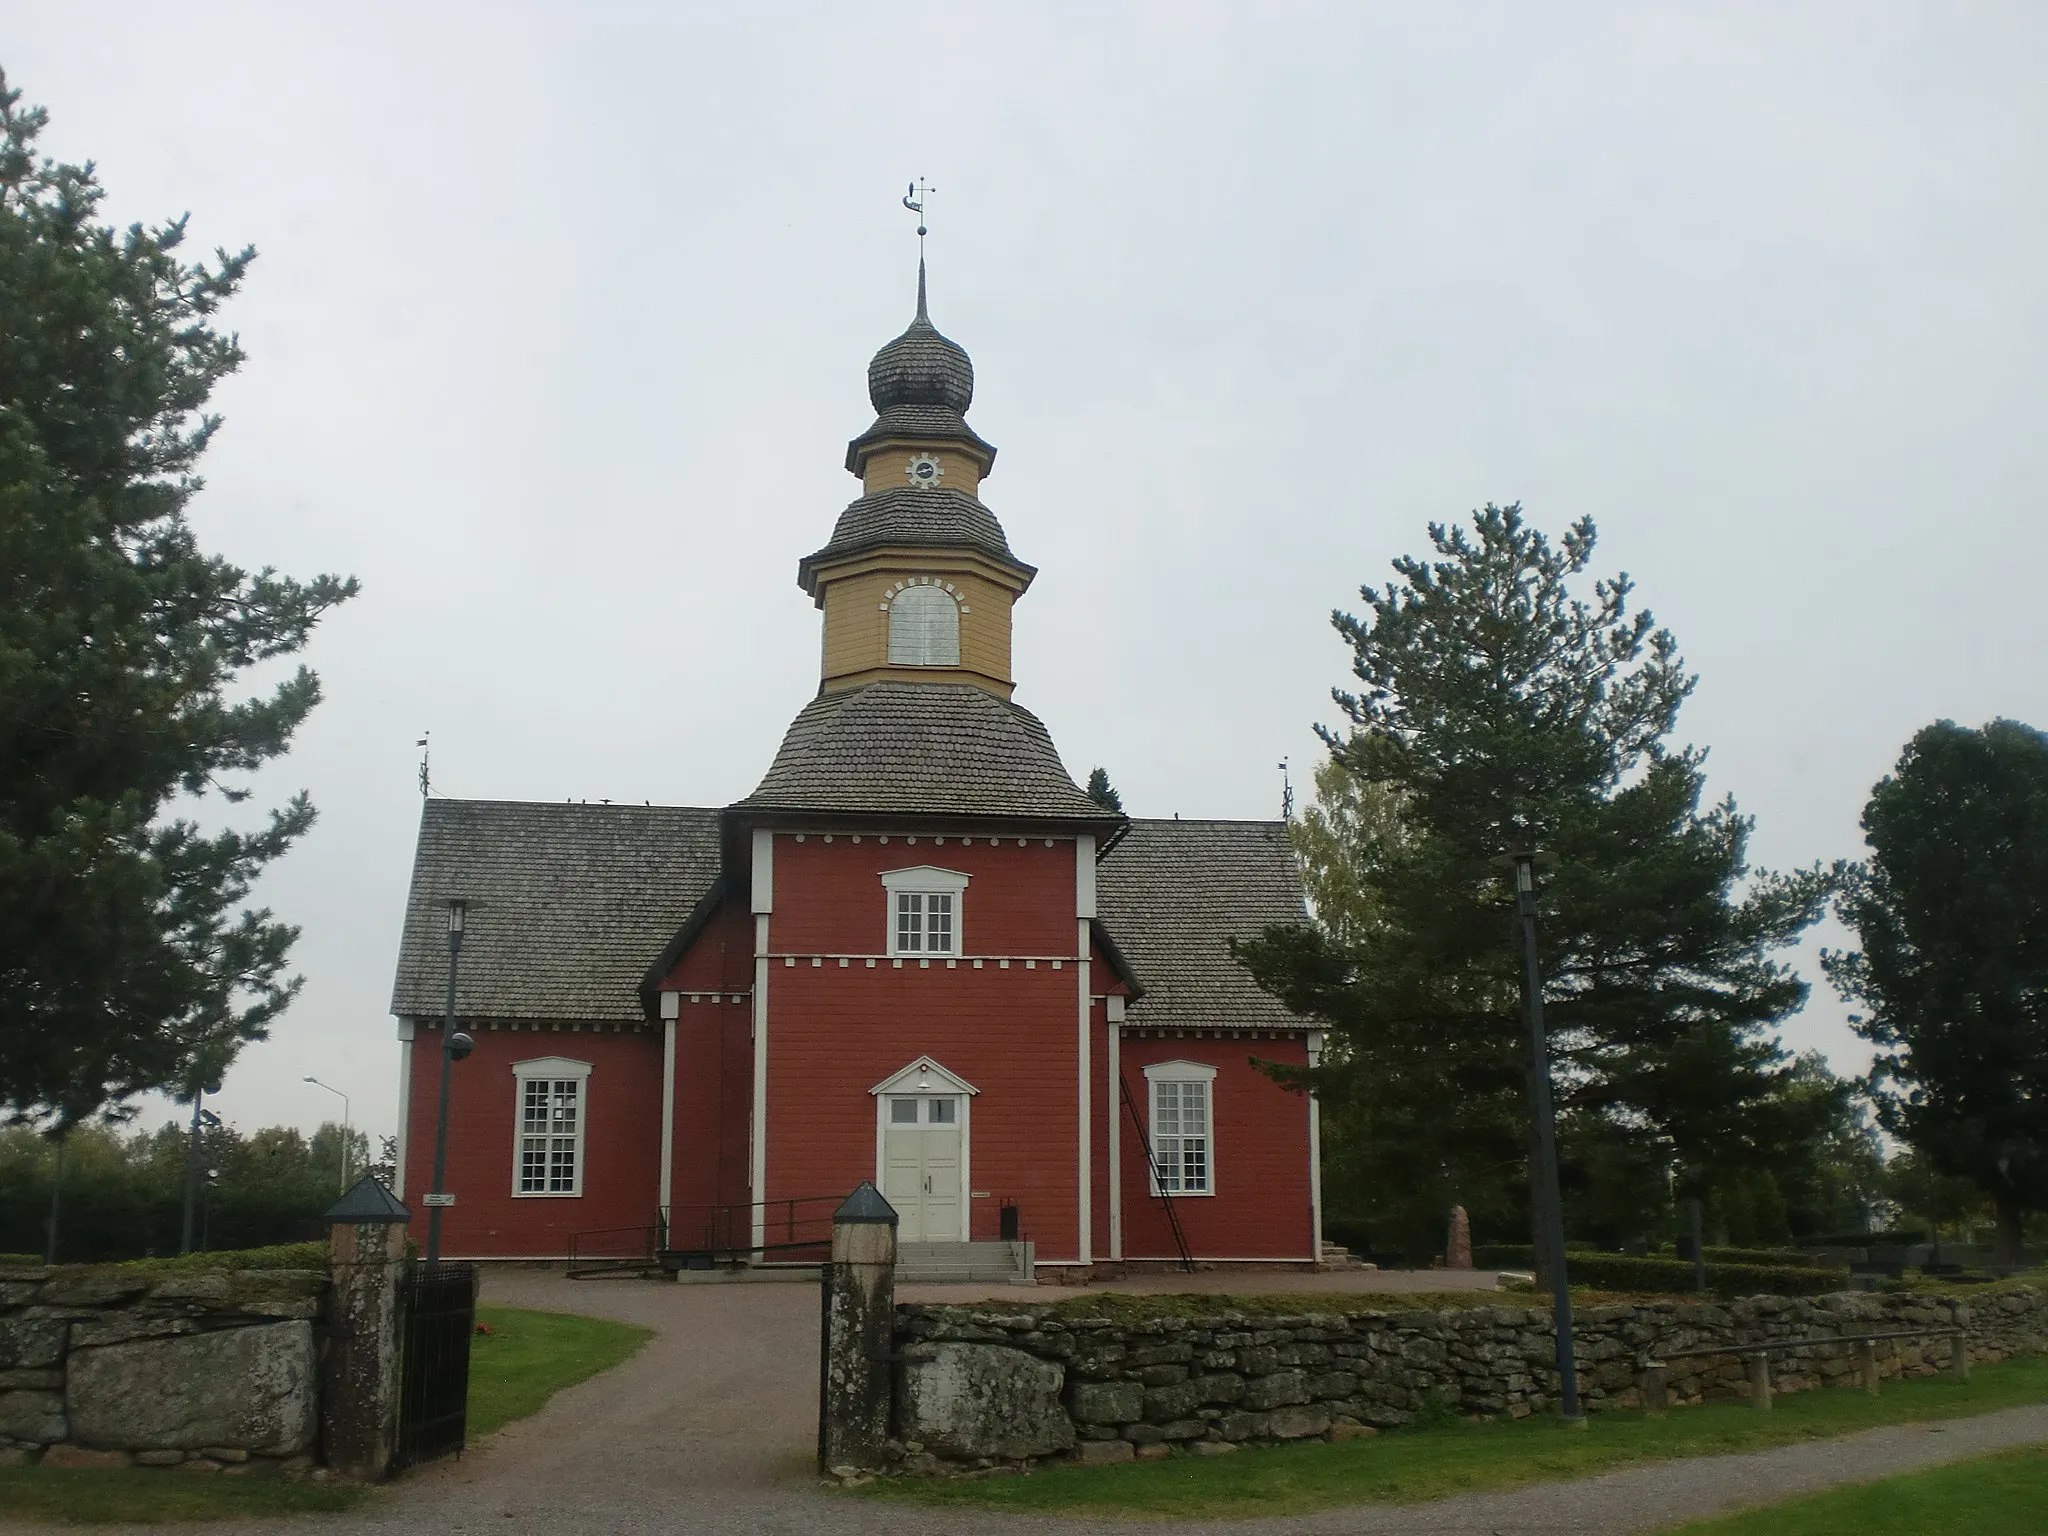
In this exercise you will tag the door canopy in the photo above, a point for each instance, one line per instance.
(924, 1076)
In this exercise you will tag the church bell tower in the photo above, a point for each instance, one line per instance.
(917, 579)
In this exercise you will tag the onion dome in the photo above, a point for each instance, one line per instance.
(921, 367)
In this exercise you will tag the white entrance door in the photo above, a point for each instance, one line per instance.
(921, 1166)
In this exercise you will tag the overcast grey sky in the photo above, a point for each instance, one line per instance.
(562, 313)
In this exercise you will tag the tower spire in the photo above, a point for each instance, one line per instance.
(927, 319)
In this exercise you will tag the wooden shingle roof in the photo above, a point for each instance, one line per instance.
(937, 749)
(904, 517)
(1172, 894)
(569, 904)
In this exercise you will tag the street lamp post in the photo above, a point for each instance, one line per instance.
(344, 1125)
(56, 1199)
(201, 1120)
(1550, 1199)
(454, 1046)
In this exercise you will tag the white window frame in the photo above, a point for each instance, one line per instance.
(549, 1069)
(922, 632)
(925, 880)
(1181, 1073)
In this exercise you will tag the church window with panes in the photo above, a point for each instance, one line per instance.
(553, 1108)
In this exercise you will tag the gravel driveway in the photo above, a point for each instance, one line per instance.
(711, 1428)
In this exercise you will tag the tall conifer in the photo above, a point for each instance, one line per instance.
(1501, 710)
(127, 958)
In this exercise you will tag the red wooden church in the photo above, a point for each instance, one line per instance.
(917, 954)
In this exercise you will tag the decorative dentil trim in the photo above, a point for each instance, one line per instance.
(925, 581)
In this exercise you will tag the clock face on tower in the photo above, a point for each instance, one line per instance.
(924, 471)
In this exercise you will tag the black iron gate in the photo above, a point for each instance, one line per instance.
(438, 1305)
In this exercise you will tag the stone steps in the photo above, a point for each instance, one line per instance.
(1337, 1256)
(996, 1263)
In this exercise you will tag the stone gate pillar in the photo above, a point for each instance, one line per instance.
(359, 1374)
(859, 1314)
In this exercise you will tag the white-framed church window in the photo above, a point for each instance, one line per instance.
(924, 910)
(1182, 1124)
(553, 1106)
(924, 628)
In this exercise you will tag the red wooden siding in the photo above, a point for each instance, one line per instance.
(1259, 1156)
(835, 1032)
(720, 958)
(713, 1104)
(621, 1140)
(829, 897)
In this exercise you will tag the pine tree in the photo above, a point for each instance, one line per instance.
(1502, 711)
(1103, 793)
(1951, 911)
(125, 963)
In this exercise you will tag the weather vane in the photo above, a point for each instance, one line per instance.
(914, 201)
(1286, 793)
(422, 745)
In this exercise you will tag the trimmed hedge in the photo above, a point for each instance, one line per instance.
(277, 1256)
(1618, 1272)
(1794, 1258)
(1514, 1255)
(1673, 1277)
(1898, 1237)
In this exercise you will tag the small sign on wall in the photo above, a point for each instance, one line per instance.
(443, 1199)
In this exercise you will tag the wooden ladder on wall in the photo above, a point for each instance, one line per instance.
(1180, 1238)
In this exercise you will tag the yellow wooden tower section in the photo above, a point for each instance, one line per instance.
(917, 580)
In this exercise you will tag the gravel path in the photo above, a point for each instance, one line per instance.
(711, 1428)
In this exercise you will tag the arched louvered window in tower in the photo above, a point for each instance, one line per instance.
(924, 628)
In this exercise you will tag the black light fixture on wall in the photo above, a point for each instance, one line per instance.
(454, 1046)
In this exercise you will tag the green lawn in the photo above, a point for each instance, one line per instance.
(2007, 1494)
(525, 1359)
(1416, 1465)
(150, 1496)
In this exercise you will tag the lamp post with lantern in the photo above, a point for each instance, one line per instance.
(1549, 1196)
(344, 1124)
(454, 1046)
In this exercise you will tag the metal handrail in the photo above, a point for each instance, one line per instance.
(1652, 1374)
(1771, 1346)
(643, 1254)
(726, 1232)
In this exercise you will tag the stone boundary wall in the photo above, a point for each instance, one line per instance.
(212, 1372)
(981, 1388)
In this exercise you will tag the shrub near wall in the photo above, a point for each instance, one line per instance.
(158, 1364)
(980, 1386)
(1673, 1277)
